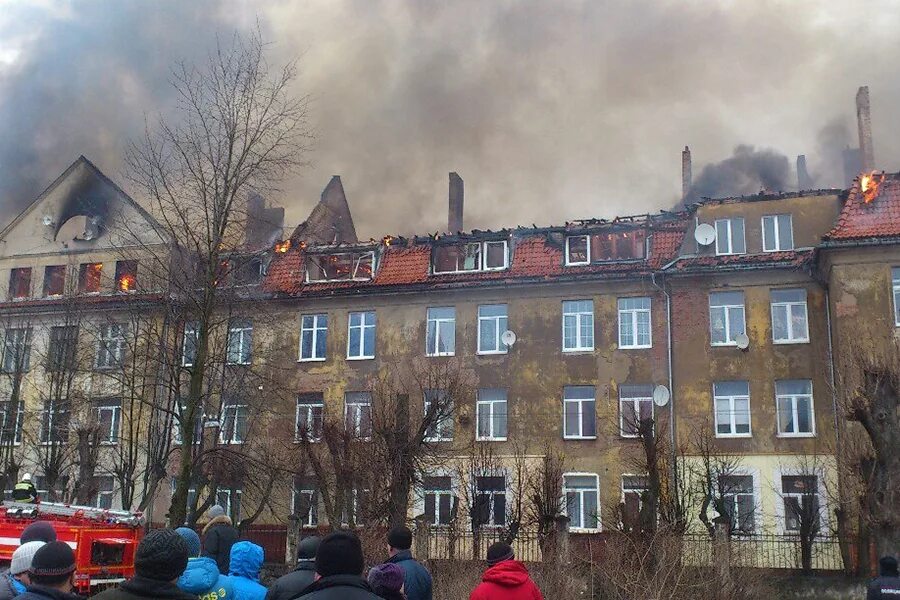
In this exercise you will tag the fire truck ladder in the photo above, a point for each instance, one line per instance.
(24, 509)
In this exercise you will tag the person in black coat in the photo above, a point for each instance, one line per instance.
(887, 584)
(290, 585)
(219, 535)
(339, 563)
(52, 574)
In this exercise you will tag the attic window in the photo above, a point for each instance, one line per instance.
(470, 257)
(344, 266)
(247, 270)
(54, 280)
(606, 247)
(20, 283)
(126, 275)
(89, 278)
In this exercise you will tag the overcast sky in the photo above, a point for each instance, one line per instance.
(550, 110)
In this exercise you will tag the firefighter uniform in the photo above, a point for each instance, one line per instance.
(25, 492)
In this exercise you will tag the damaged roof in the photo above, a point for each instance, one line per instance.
(873, 221)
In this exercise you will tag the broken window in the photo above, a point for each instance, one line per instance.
(606, 247)
(349, 266)
(54, 280)
(473, 256)
(20, 283)
(89, 278)
(247, 271)
(126, 275)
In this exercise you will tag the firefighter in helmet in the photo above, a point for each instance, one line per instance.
(25, 490)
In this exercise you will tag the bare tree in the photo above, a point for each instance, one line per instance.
(802, 502)
(546, 507)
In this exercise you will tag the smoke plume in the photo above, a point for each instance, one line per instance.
(747, 171)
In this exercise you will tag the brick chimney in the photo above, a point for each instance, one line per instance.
(455, 219)
(686, 177)
(864, 121)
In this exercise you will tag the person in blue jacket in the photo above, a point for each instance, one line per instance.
(202, 577)
(246, 561)
(416, 578)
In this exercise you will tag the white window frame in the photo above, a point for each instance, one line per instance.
(754, 474)
(364, 327)
(235, 408)
(580, 407)
(729, 226)
(492, 517)
(316, 329)
(794, 471)
(775, 245)
(444, 425)
(580, 528)
(794, 411)
(358, 404)
(438, 494)
(579, 316)
(788, 307)
(111, 437)
(111, 345)
(22, 339)
(587, 254)
(895, 286)
(360, 258)
(731, 412)
(312, 519)
(104, 493)
(489, 405)
(632, 315)
(310, 408)
(635, 402)
(728, 316)
(17, 426)
(240, 332)
(645, 488)
(433, 323)
(484, 255)
(494, 321)
(51, 410)
(482, 258)
(190, 332)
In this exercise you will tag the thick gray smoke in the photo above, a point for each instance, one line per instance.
(747, 171)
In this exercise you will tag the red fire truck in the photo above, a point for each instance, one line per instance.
(104, 541)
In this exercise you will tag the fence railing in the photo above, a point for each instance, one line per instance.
(766, 552)
(465, 545)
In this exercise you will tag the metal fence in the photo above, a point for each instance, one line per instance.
(766, 552)
(465, 545)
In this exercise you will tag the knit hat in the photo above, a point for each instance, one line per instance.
(340, 553)
(887, 566)
(499, 552)
(162, 555)
(22, 557)
(39, 531)
(307, 548)
(215, 511)
(192, 540)
(53, 560)
(400, 537)
(388, 576)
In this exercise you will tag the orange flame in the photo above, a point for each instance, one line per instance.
(868, 185)
(126, 283)
(388, 239)
(283, 247)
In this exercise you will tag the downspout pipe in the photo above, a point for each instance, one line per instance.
(669, 356)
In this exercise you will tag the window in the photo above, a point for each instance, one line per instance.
(491, 414)
(54, 280)
(795, 407)
(63, 346)
(349, 266)
(490, 501)
(126, 275)
(11, 415)
(181, 421)
(582, 501)
(358, 414)
(472, 256)
(55, 423)
(895, 281)
(739, 500)
(361, 338)
(313, 337)
(234, 422)
(578, 250)
(310, 416)
(726, 317)
(189, 344)
(103, 496)
(247, 270)
(633, 489)
(231, 502)
(635, 407)
(579, 412)
(578, 325)
(44, 491)
(732, 408)
(108, 416)
(240, 342)
(439, 408)
(111, 350)
(440, 501)
(306, 501)
(89, 275)
(634, 323)
(17, 350)
(606, 247)
(789, 320)
(730, 236)
(801, 502)
(20, 283)
(778, 233)
(355, 503)
(492, 322)
(440, 337)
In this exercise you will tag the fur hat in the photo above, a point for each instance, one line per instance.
(53, 560)
(215, 511)
(340, 553)
(22, 557)
(162, 555)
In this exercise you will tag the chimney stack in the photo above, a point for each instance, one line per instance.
(686, 178)
(804, 181)
(864, 121)
(455, 219)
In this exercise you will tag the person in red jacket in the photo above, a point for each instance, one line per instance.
(505, 578)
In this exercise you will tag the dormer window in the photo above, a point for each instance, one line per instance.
(609, 246)
(343, 266)
(471, 257)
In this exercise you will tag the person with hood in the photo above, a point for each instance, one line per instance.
(416, 578)
(290, 585)
(219, 535)
(202, 577)
(505, 578)
(887, 584)
(37, 531)
(16, 579)
(160, 559)
(340, 564)
(52, 574)
(246, 561)
(25, 491)
(387, 581)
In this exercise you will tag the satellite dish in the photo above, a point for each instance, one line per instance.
(661, 395)
(508, 338)
(742, 341)
(705, 234)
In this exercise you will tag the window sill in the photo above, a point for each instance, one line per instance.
(730, 253)
(238, 364)
(788, 436)
(438, 440)
(441, 355)
(626, 436)
(579, 437)
(311, 440)
(636, 347)
(584, 530)
(725, 436)
(577, 351)
(305, 360)
(789, 342)
(491, 439)
(360, 358)
(578, 264)
(773, 250)
(723, 344)
(492, 353)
